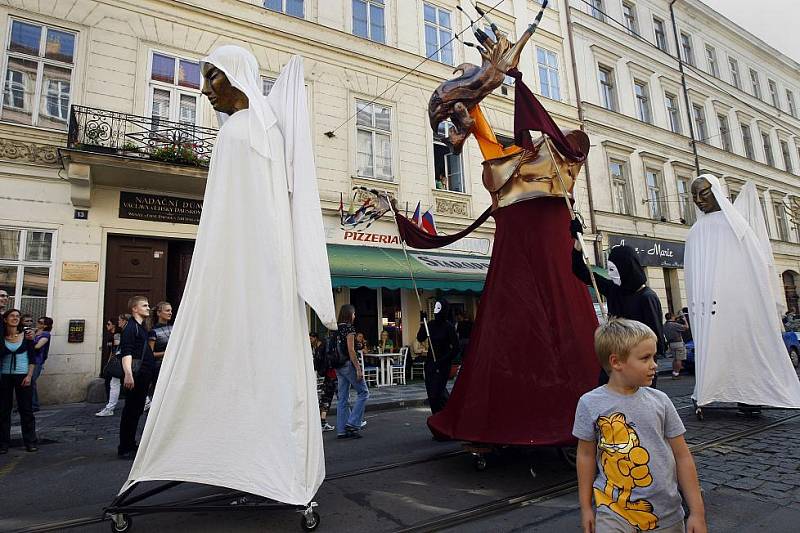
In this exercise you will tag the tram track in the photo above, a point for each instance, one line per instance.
(484, 510)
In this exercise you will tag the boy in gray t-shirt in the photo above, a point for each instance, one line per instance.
(631, 452)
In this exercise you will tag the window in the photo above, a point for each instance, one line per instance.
(736, 79)
(438, 34)
(711, 58)
(660, 34)
(266, 84)
(767, 149)
(773, 93)
(597, 10)
(755, 83)
(368, 20)
(629, 14)
(174, 88)
(38, 81)
(654, 200)
(685, 201)
(374, 137)
(25, 261)
(733, 193)
(780, 220)
(608, 97)
(724, 132)
(548, 73)
(790, 102)
(290, 7)
(447, 165)
(787, 158)
(673, 112)
(747, 140)
(686, 48)
(620, 189)
(700, 122)
(507, 80)
(642, 101)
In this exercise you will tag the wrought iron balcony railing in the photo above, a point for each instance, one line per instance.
(110, 132)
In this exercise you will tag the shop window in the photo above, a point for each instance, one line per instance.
(790, 285)
(38, 81)
(174, 90)
(374, 138)
(368, 19)
(392, 317)
(438, 34)
(25, 263)
(447, 165)
(293, 8)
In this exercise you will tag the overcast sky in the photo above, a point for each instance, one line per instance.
(773, 21)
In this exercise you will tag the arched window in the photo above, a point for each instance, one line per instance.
(790, 283)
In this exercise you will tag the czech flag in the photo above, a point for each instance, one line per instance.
(415, 218)
(428, 224)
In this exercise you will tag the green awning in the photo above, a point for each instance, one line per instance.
(364, 266)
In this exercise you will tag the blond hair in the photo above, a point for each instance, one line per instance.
(619, 336)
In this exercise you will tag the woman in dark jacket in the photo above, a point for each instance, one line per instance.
(443, 348)
(627, 293)
(17, 364)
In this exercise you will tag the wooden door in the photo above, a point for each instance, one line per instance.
(134, 266)
(180, 259)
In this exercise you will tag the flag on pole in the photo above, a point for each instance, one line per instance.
(428, 223)
(415, 218)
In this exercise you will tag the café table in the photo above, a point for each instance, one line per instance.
(385, 367)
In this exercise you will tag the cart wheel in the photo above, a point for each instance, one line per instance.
(699, 413)
(121, 523)
(480, 463)
(569, 455)
(309, 521)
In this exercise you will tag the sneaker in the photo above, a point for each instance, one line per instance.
(363, 424)
(676, 375)
(327, 427)
(147, 404)
(105, 411)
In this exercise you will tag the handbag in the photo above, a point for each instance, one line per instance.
(114, 365)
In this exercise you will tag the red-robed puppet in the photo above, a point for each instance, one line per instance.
(531, 353)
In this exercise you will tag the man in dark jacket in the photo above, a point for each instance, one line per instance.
(627, 293)
(443, 347)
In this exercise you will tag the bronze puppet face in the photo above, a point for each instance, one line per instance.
(703, 197)
(223, 96)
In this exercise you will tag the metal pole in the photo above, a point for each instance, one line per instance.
(693, 141)
(574, 216)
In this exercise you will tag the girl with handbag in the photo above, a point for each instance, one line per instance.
(113, 383)
(16, 375)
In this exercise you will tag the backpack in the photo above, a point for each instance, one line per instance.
(321, 363)
(336, 351)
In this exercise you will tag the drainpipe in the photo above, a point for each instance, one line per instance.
(598, 245)
(693, 142)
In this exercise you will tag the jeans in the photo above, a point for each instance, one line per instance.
(134, 407)
(36, 373)
(114, 385)
(344, 416)
(9, 384)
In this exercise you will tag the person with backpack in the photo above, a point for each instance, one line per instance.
(350, 374)
(324, 369)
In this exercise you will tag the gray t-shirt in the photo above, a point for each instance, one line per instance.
(636, 479)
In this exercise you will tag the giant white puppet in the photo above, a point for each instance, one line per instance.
(740, 356)
(236, 405)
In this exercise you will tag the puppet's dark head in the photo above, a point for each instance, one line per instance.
(626, 263)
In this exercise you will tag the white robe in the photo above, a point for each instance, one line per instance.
(739, 354)
(236, 404)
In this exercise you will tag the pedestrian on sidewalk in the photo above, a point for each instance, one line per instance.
(674, 328)
(135, 352)
(329, 382)
(41, 340)
(632, 456)
(442, 350)
(16, 375)
(113, 385)
(158, 339)
(350, 375)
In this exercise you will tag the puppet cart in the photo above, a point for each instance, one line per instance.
(127, 505)
(481, 453)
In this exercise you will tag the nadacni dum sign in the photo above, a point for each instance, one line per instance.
(156, 208)
(651, 252)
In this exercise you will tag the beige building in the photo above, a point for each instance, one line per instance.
(740, 106)
(104, 138)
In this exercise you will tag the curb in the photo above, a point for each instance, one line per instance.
(389, 405)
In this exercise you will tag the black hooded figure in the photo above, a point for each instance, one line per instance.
(444, 344)
(628, 296)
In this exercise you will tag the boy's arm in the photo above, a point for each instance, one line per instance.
(587, 470)
(689, 484)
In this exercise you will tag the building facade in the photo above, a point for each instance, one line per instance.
(105, 139)
(738, 109)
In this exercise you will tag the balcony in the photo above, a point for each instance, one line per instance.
(128, 151)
